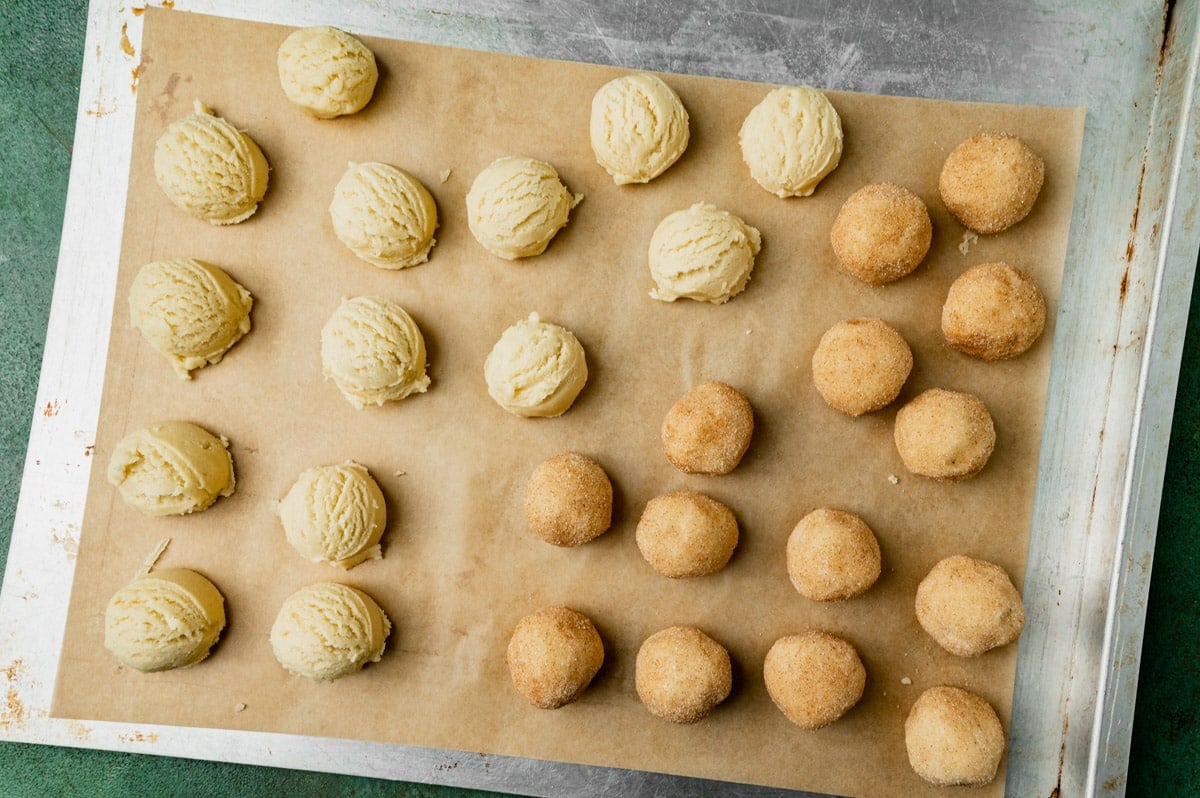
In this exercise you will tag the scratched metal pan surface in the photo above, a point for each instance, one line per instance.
(1129, 272)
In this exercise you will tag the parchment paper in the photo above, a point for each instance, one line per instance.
(460, 568)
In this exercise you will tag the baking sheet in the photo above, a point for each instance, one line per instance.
(459, 568)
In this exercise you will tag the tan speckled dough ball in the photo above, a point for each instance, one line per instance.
(969, 606)
(681, 674)
(568, 500)
(993, 311)
(553, 655)
(946, 435)
(860, 365)
(814, 678)
(832, 555)
(686, 534)
(881, 233)
(953, 737)
(708, 430)
(990, 181)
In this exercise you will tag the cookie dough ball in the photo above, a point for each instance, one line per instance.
(373, 351)
(639, 127)
(814, 678)
(568, 500)
(969, 606)
(832, 555)
(171, 468)
(993, 311)
(553, 655)
(702, 253)
(946, 435)
(881, 233)
(190, 311)
(384, 215)
(791, 140)
(681, 674)
(708, 430)
(326, 71)
(335, 514)
(209, 168)
(860, 365)
(167, 619)
(686, 534)
(516, 205)
(953, 737)
(536, 369)
(326, 631)
(990, 181)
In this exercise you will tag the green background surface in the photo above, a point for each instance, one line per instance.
(41, 50)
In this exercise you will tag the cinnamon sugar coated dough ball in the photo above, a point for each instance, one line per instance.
(814, 678)
(568, 500)
(832, 555)
(881, 233)
(969, 606)
(708, 430)
(553, 655)
(682, 674)
(326, 71)
(638, 128)
(953, 737)
(791, 140)
(860, 365)
(209, 168)
(993, 311)
(990, 181)
(945, 435)
(686, 534)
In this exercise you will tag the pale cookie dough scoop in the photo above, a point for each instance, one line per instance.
(791, 140)
(326, 71)
(384, 215)
(167, 619)
(335, 514)
(516, 205)
(190, 311)
(209, 168)
(171, 468)
(326, 631)
(639, 127)
(702, 253)
(373, 351)
(536, 369)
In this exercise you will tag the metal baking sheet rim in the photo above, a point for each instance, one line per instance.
(1099, 698)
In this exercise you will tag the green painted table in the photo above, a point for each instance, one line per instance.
(39, 86)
